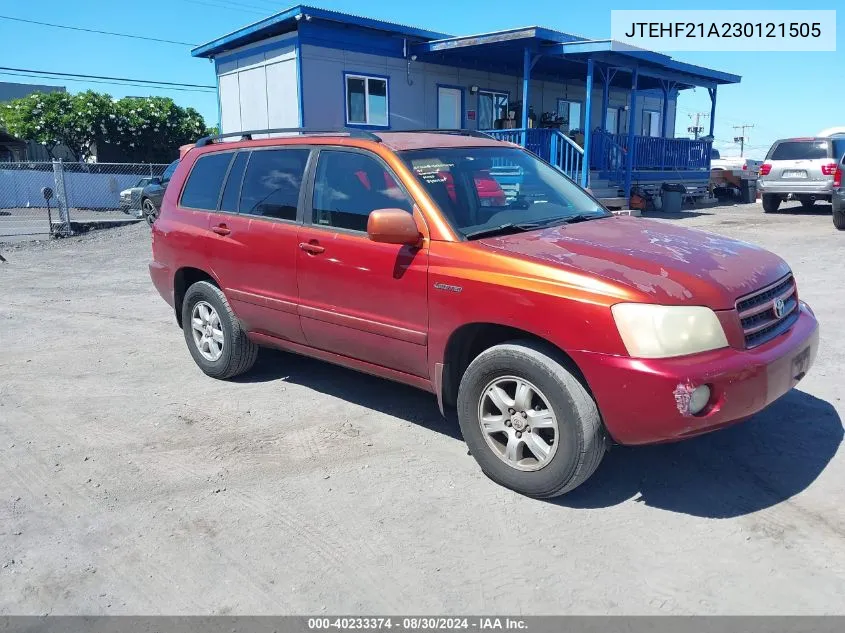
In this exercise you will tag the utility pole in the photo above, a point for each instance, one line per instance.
(741, 139)
(697, 129)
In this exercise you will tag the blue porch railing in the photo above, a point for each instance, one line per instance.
(669, 154)
(549, 144)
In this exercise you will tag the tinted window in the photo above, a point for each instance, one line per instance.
(272, 183)
(800, 150)
(202, 191)
(838, 148)
(168, 171)
(349, 186)
(232, 190)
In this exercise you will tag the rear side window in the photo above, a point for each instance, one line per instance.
(349, 186)
(202, 191)
(272, 183)
(232, 190)
(800, 150)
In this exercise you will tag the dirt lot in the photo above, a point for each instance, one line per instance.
(132, 483)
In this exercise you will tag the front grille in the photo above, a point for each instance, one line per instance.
(757, 312)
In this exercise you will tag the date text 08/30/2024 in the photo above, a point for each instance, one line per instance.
(417, 623)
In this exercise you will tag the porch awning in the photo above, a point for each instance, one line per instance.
(561, 55)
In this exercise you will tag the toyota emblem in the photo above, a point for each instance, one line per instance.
(779, 308)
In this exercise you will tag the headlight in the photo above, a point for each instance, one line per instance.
(653, 331)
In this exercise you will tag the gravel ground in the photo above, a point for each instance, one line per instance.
(132, 483)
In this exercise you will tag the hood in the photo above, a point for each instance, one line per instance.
(667, 263)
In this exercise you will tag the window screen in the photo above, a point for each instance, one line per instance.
(202, 191)
(349, 186)
(272, 183)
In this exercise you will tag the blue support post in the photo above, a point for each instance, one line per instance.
(632, 124)
(664, 117)
(605, 96)
(588, 126)
(217, 94)
(526, 77)
(712, 92)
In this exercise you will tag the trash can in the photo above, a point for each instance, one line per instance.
(673, 196)
(748, 191)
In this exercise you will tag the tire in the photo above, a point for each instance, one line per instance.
(149, 211)
(237, 353)
(838, 215)
(771, 202)
(578, 443)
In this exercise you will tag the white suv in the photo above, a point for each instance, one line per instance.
(800, 168)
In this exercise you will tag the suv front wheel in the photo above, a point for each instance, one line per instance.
(217, 342)
(528, 421)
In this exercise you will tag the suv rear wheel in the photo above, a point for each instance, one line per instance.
(771, 202)
(838, 215)
(213, 333)
(529, 423)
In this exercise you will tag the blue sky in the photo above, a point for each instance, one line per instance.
(782, 94)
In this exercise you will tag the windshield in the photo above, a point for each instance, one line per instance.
(143, 182)
(481, 188)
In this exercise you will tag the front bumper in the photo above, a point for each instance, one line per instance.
(636, 397)
(809, 187)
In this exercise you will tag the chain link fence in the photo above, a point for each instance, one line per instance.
(49, 198)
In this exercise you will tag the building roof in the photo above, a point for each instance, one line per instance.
(285, 21)
(561, 53)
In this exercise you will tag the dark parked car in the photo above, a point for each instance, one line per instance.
(152, 194)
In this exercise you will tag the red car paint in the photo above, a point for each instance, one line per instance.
(392, 310)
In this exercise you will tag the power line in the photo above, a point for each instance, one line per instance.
(145, 81)
(84, 30)
(109, 83)
(232, 6)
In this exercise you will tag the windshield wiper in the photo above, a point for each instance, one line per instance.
(502, 228)
(583, 217)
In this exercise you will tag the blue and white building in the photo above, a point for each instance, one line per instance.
(615, 108)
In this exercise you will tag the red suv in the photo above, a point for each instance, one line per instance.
(472, 269)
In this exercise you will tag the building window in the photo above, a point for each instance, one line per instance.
(366, 100)
(570, 111)
(492, 106)
(651, 123)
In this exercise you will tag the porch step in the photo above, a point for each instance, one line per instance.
(604, 192)
(613, 202)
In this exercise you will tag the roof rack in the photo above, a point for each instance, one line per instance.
(456, 132)
(247, 135)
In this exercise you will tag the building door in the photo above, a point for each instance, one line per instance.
(358, 298)
(612, 124)
(449, 108)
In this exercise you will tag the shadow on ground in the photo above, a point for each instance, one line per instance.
(388, 397)
(685, 214)
(797, 209)
(732, 472)
(742, 469)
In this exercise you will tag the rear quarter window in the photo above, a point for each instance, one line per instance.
(202, 190)
(800, 150)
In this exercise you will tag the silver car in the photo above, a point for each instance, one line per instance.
(799, 169)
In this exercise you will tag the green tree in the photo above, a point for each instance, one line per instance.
(144, 129)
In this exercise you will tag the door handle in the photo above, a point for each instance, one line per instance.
(221, 229)
(311, 248)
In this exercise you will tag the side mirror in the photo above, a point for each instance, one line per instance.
(393, 226)
(155, 180)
